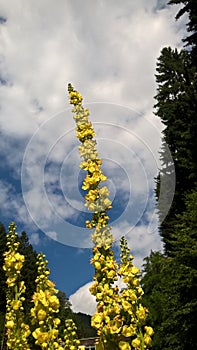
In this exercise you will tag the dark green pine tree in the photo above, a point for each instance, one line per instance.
(184, 284)
(65, 312)
(29, 270)
(176, 106)
(170, 286)
(152, 281)
(170, 280)
(190, 8)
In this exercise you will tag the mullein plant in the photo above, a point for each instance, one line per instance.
(132, 309)
(46, 307)
(17, 330)
(70, 335)
(119, 317)
(46, 304)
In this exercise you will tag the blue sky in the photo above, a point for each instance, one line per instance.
(108, 51)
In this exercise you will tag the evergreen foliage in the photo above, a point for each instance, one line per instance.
(84, 328)
(176, 106)
(170, 288)
(29, 270)
(190, 8)
(65, 312)
(170, 279)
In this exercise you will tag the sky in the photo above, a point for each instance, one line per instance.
(108, 50)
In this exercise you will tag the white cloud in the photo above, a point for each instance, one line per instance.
(108, 50)
(34, 238)
(12, 205)
(52, 234)
(51, 46)
(83, 301)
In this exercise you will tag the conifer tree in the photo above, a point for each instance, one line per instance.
(176, 106)
(29, 271)
(190, 8)
(169, 280)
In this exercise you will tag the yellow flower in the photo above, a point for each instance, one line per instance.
(42, 337)
(134, 270)
(41, 315)
(97, 265)
(19, 257)
(16, 304)
(128, 331)
(115, 326)
(54, 302)
(93, 288)
(147, 339)
(97, 320)
(140, 291)
(11, 281)
(75, 98)
(141, 314)
(136, 343)
(56, 321)
(52, 334)
(135, 282)
(126, 305)
(10, 324)
(124, 345)
(92, 195)
(149, 330)
(111, 274)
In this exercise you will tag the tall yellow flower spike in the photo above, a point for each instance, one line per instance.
(115, 331)
(17, 330)
(70, 335)
(46, 306)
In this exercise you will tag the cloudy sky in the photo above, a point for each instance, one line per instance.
(107, 50)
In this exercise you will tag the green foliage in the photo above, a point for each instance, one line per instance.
(29, 270)
(2, 330)
(84, 328)
(64, 313)
(176, 106)
(151, 277)
(189, 8)
(170, 279)
(170, 294)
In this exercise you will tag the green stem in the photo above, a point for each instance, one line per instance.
(141, 339)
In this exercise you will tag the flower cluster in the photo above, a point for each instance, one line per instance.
(98, 202)
(17, 330)
(97, 198)
(132, 309)
(46, 306)
(120, 316)
(70, 335)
